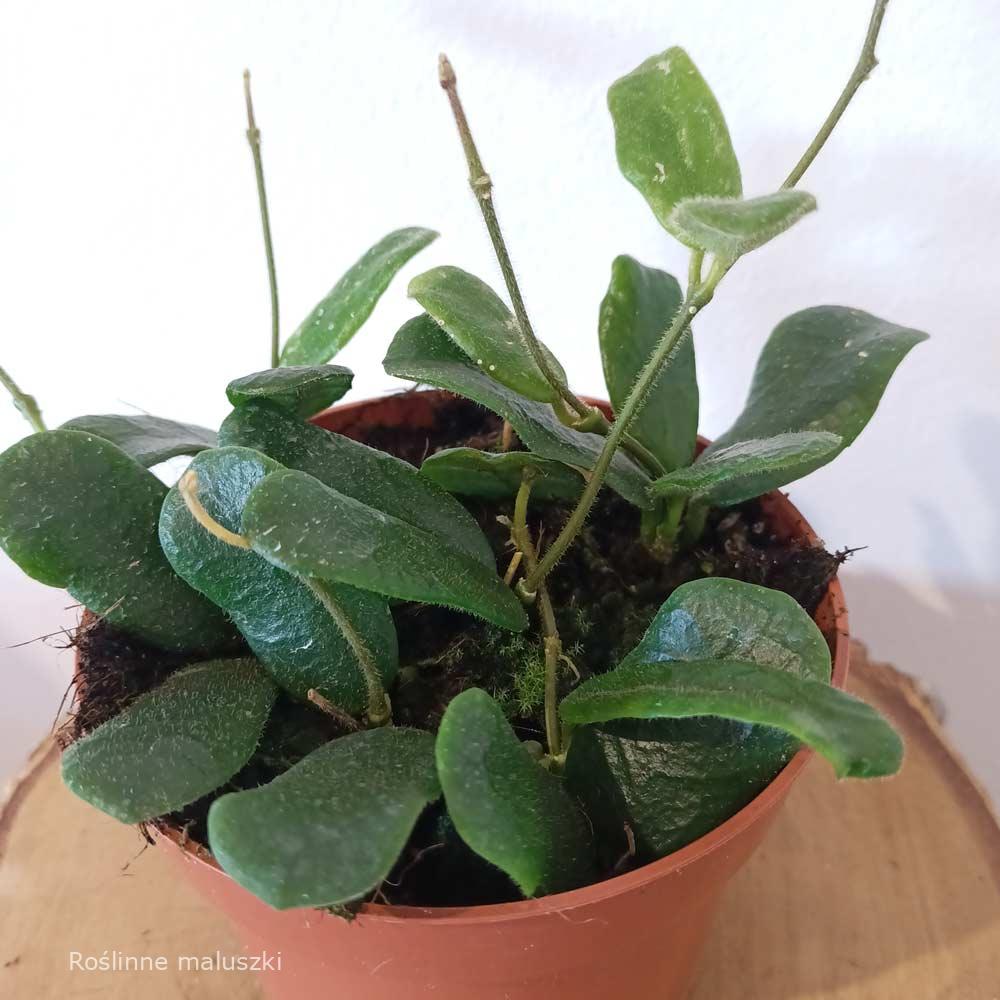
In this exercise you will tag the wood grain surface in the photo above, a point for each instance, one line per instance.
(862, 891)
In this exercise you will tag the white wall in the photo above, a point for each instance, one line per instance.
(133, 273)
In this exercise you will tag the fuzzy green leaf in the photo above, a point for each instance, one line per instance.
(366, 474)
(730, 227)
(288, 629)
(173, 744)
(421, 351)
(149, 440)
(77, 512)
(330, 829)
(306, 528)
(303, 390)
(822, 369)
(856, 740)
(469, 472)
(749, 469)
(673, 780)
(505, 806)
(670, 137)
(477, 319)
(350, 302)
(637, 309)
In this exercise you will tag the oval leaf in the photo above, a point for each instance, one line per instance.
(306, 528)
(822, 369)
(637, 309)
(330, 829)
(366, 474)
(288, 629)
(77, 512)
(469, 472)
(303, 390)
(730, 227)
(670, 137)
(856, 740)
(749, 468)
(477, 319)
(149, 440)
(673, 780)
(173, 744)
(422, 352)
(350, 302)
(505, 806)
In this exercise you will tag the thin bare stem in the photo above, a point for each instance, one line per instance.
(187, 486)
(334, 711)
(379, 709)
(866, 63)
(253, 137)
(26, 405)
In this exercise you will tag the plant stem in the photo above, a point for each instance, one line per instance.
(866, 63)
(379, 709)
(334, 711)
(253, 137)
(187, 486)
(551, 643)
(26, 405)
(587, 418)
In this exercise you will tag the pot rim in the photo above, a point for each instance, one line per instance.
(559, 903)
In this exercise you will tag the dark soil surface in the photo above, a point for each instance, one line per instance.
(605, 590)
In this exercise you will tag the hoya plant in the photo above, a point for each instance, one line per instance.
(278, 580)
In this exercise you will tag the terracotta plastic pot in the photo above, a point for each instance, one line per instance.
(636, 936)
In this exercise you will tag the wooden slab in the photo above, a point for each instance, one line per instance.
(862, 891)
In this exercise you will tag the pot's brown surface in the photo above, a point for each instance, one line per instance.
(637, 936)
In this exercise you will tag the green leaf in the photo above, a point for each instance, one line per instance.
(749, 469)
(505, 806)
(350, 302)
(421, 351)
(306, 528)
(670, 136)
(303, 390)
(850, 734)
(479, 322)
(283, 622)
(637, 309)
(77, 512)
(149, 440)
(469, 472)
(330, 829)
(173, 744)
(730, 227)
(673, 780)
(822, 369)
(366, 474)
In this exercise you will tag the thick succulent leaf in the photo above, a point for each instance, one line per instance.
(149, 440)
(730, 227)
(350, 302)
(306, 528)
(822, 369)
(303, 390)
(469, 472)
(328, 830)
(366, 474)
(77, 512)
(637, 309)
(505, 805)
(749, 469)
(856, 740)
(477, 319)
(283, 622)
(670, 136)
(421, 351)
(173, 744)
(673, 780)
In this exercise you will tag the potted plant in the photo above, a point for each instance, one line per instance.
(483, 690)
